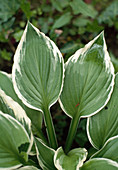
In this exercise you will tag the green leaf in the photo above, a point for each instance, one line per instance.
(9, 106)
(25, 6)
(81, 21)
(109, 14)
(4, 27)
(38, 73)
(45, 155)
(7, 86)
(100, 164)
(60, 4)
(89, 80)
(57, 5)
(88, 83)
(17, 35)
(79, 6)
(104, 125)
(12, 136)
(8, 9)
(69, 47)
(5, 54)
(109, 150)
(29, 168)
(94, 27)
(37, 70)
(114, 61)
(63, 20)
(64, 3)
(72, 161)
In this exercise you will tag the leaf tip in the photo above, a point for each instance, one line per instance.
(29, 25)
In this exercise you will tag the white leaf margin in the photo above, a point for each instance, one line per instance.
(110, 139)
(87, 129)
(17, 61)
(74, 59)
(37, 151)
(102, 159)
(17, 109)
(8, 116)
(19, 113)
(57, 164)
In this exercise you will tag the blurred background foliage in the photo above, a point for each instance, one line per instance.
(70, 24)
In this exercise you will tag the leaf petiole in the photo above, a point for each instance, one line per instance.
(71, 133)
(50, 128)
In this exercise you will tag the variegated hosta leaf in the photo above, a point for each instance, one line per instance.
(109, 150)
(104, 125)
(7, 86)
(100, 164)
(9, 106)
(12, 136)
(37, 70)
(89, 80)
(29, 168)
(45, 155)
(72, 161)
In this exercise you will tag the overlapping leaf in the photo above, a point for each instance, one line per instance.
(7, 86)
(89, 80)
(104, 125)
(45, 155)
(109, 150)
(29, 168)
(72, 161)
(9, 106)
(12, 136)
(100, 164)
(37, 70)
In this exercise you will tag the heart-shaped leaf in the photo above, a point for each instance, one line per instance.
(35, 116)
(12, 136)
(72, 161)
(89, 80)
(100, 164)
(104, 125)
(45, 155)
(109, 150)
(37, 70)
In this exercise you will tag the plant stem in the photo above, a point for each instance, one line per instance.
(30, 163)
(50, 129)
(71, 133)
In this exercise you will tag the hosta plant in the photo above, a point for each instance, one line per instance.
(85, 86)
